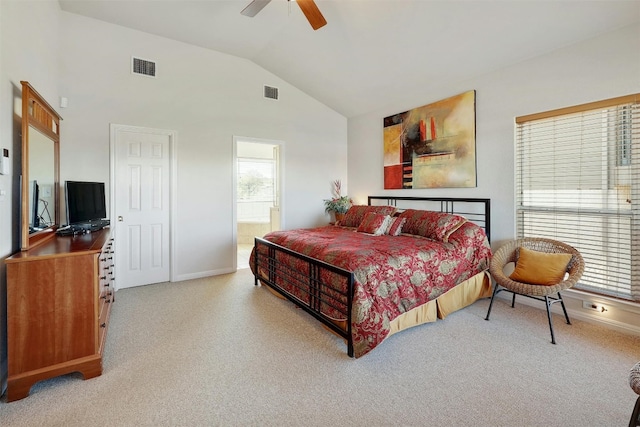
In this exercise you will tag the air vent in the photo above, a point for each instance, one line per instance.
(143, 67)
(271, 92)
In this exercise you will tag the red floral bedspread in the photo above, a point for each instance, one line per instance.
(393, 274)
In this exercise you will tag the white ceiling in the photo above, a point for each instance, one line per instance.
(371, 51)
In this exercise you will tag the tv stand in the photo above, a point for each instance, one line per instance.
(82, 228)
(59, 297)
(96, 224)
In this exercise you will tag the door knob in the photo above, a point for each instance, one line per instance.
(120, 219)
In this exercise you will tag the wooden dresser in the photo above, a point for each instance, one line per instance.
(59, 296)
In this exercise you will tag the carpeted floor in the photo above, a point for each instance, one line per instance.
(221, 352)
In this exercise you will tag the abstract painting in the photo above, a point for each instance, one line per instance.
(433, 146)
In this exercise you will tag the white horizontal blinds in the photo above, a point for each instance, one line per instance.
(577, 182)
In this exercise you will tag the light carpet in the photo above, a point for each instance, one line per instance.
(220, 352)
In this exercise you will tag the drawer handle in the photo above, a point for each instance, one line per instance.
(103, 278)
(103, 325)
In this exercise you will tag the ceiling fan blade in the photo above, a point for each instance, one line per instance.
(313, 14)
(254, 7)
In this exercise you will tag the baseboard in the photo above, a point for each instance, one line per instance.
(201, 274)
(609, 323)
(622, 316)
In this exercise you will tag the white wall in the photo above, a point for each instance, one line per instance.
(600, 68)
(603, 67)
(207, 97)
(28, 51)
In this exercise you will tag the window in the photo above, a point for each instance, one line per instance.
(577, 181)
(256, 190)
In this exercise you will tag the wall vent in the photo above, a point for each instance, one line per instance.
(270, 92)
(143, 67)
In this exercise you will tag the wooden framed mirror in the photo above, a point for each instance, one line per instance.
(40, 204)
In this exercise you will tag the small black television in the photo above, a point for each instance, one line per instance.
(85, 202)
(35, 199)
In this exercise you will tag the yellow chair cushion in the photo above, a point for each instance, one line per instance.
(540, 268)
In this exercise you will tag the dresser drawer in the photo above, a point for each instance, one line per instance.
(103, 320)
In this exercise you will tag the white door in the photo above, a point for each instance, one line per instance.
(141, 212)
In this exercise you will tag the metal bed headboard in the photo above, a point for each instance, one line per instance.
(475, 210)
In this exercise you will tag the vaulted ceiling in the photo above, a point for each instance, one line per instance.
(372, 51)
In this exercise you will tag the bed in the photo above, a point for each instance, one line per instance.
(366, 280)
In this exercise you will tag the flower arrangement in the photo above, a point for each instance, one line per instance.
(338, 203)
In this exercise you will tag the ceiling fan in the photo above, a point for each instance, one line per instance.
(309, 8)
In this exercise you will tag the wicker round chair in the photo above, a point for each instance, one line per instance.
(634, 383)
(509, 254)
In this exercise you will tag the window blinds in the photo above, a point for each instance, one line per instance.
(577, 182)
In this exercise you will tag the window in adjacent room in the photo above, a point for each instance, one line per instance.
(256, 189)
(578, 181)
(257, 193)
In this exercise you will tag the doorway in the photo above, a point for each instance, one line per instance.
(142, 205)
(257, 190)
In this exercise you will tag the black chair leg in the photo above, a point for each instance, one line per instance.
(548, 304)
(634, 421)
(566, 315)
(495, 291)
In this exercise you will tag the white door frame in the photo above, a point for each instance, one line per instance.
(234, 216)
(173, 184)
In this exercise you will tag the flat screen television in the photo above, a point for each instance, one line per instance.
(85, 202)
(33, 205)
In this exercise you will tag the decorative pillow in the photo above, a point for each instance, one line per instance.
(540, 268)
(431, 224)
(374, 223)
(395, 226)
(356, 213)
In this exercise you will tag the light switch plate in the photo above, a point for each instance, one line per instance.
(45, 191)
(5, 164)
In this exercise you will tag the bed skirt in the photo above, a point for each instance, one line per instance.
(463, 295)
(466, 293)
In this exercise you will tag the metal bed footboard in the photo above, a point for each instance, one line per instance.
(316, 293)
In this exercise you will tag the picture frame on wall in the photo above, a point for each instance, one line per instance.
(433, 146)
